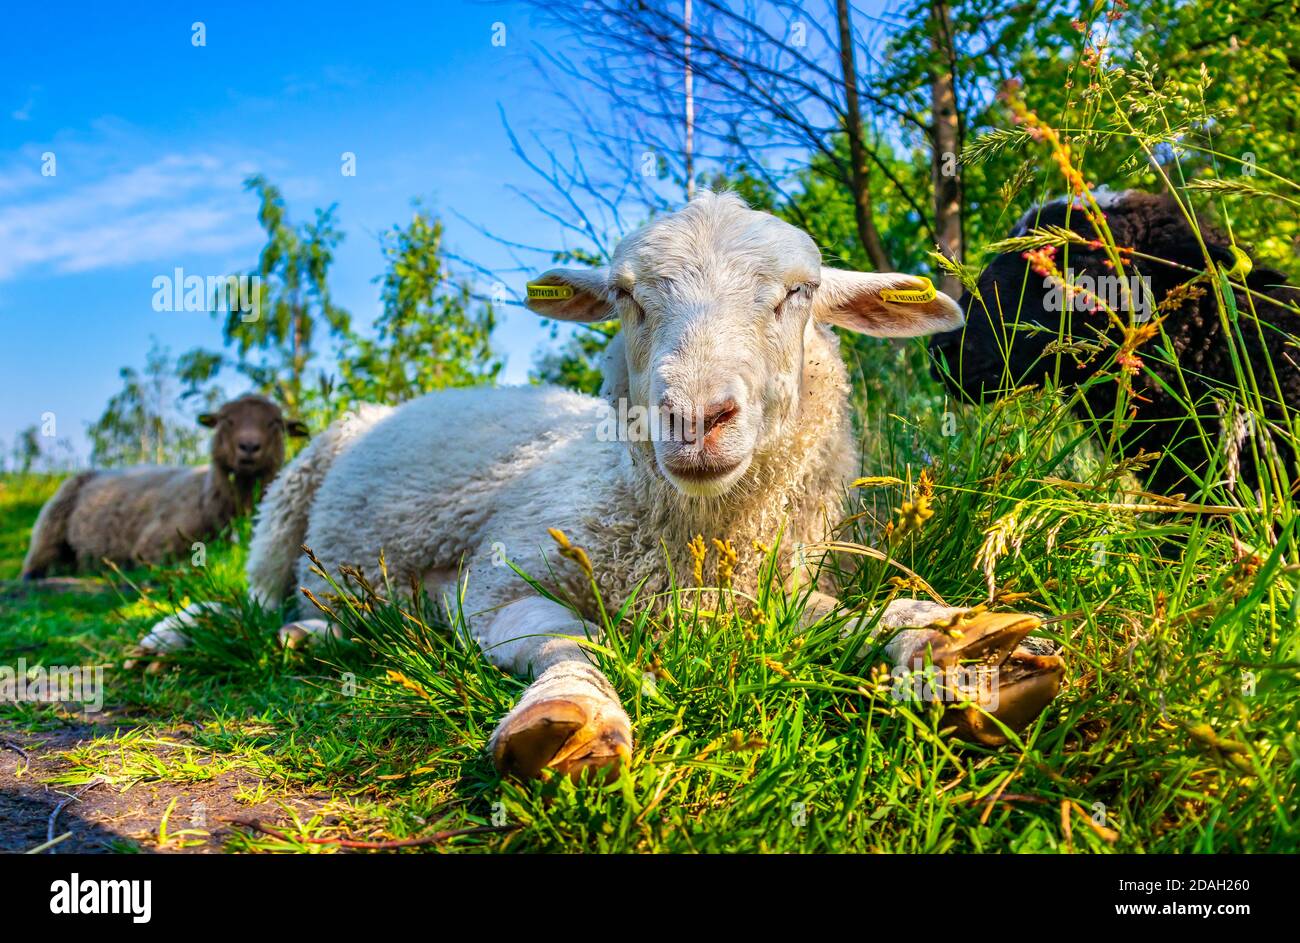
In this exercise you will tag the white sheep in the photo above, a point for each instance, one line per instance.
(147, 513)
(725, 315)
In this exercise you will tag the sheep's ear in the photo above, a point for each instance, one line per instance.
(884, 304)
(572, 295)
(208, 419)
(296, 428)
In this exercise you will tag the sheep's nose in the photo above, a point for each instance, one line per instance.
(706, 424)
(249, 447)
(718, 415)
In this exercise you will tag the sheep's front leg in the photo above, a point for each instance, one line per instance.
(569, 719)
(983, 668)
(303, 632)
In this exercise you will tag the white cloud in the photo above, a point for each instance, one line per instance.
(179, 203)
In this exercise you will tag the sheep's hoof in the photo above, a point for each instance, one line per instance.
(1026, 684)
(573, 736)
(304, 632)
(988, 637)
(1010, 685)
(143, 659)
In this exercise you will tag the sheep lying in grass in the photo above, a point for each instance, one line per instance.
(1022, 329)
(725, 314)
(146, 514)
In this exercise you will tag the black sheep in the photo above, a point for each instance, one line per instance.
(1021, 331)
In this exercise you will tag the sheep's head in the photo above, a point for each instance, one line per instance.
(1024, 327)
(716, 302)
(248, 436)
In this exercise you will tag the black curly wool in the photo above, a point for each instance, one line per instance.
(989, 357)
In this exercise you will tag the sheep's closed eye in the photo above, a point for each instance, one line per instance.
(625, 300)
(798, 291)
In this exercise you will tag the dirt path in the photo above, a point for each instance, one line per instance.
(106, 817)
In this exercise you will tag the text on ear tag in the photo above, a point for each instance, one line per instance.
(912, 296)
(549, 292)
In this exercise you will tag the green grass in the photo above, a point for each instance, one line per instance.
(1178, 729)
(21, 497)
(757, 734)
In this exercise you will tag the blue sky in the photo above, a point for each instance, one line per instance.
(153, 136)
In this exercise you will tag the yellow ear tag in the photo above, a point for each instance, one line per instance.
(912, 296)
(1241, 264)
(549, 292)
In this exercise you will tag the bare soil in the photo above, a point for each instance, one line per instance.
(106, 817)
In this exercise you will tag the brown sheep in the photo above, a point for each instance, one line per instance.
(148, 513)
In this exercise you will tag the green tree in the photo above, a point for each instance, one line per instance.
(1174, 93)
(576, 363)
(431, 334)
(1229, 77)
(1151, 97)
(275, 345)
(27, 449)
(151, 419)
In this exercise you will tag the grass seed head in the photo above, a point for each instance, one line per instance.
(568, 550)
(912, 516)
(726, 560)
(698, 550)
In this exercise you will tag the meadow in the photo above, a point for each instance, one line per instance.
(1176, 731)
(1178, 726)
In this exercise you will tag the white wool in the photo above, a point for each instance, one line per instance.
(721, 306)
(453, 485)
(718, 303)
(282, 516)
